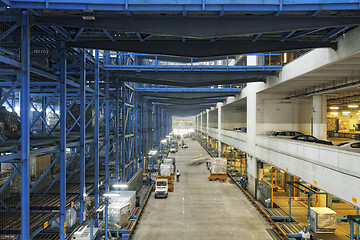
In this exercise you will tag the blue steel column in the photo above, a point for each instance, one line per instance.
(123, 128)
(43, 115)
(117, 128)
(142, 129)
(25, 126)
(135, 125)
(82, 135)
(107, 130)
(96, 132)
(132, 145)
(62, 141)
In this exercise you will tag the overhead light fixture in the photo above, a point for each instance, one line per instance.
(346, 113)
(334, 113)
(334, 108)
(120, 185)
(111, 194)
(353, 106)
(88, 14)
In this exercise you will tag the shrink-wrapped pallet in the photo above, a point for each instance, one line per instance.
(218, 166)
(166, 169)
(322, 220)
(119, 214)
(125, 197)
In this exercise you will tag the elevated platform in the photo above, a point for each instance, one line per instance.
(313, 163)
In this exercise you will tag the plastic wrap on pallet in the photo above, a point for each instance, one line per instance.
(125, 197)
(218, 166)
(218, 169)
(70, 218)
(119, 214)
(166, 170)
(322, 220)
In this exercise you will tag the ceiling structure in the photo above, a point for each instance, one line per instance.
(197, 32)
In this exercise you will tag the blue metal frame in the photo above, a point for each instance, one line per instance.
(25, 127)
(63, 142)
(189, 6)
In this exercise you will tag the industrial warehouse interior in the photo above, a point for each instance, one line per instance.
(177, 120)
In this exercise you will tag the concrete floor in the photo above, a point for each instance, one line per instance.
(200, 209)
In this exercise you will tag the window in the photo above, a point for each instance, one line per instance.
(310, 138)
(301, 138)
(355, 145)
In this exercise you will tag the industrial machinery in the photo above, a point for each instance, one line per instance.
(10, 127)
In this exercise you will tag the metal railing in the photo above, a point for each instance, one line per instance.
(148, 62)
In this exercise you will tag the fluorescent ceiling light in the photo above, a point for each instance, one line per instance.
(353, 106)
(334, 108)
(120, 185)
(111, 194)
(334, 113)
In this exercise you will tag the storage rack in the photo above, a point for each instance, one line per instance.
(77, 78)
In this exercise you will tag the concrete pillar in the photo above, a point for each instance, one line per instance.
(219, 106)
(201, 125)
(251, 137)
(319, 116)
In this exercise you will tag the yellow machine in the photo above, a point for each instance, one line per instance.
(169, 179)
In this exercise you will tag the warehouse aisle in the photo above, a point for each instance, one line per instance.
(200, 209)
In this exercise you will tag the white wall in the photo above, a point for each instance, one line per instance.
(233, 118)
(274, 113)
(213, 118)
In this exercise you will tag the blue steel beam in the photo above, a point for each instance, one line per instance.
(63, 111)
(123, 130)
(190, 90)
(82, 134)
(96, 131)
(117, 129)
(334, 32)
(107, 130)
(189, 6)
(25, 126)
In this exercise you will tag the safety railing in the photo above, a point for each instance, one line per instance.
(148, 62)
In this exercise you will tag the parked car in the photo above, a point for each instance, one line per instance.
(309, 138)
(350, 145)
(184, 146)
(242, 129)
(287, 134)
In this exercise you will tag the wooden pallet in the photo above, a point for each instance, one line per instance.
(221, 177)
